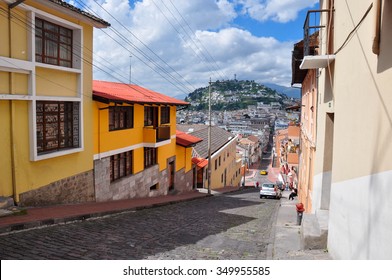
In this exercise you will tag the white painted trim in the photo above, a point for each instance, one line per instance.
(57, 154)
(118, 151)
(50, 17)
(56, 98)
(158, 144)
(16, 97)
(15, 65)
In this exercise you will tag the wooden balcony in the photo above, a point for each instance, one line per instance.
(155, 135)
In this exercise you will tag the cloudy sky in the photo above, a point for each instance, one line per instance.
(176, 46)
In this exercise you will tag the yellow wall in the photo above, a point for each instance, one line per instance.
(106, 141)
(30, 175)
(5, 151)
(228, 163)
(49, 81)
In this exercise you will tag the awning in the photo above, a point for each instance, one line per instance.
(316, 61)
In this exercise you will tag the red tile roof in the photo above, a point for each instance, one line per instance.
(186, 140)
(200, 162)
(114, 92)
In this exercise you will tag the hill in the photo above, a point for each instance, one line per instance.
(234, 95)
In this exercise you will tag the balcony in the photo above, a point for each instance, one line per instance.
(155, 135)
(311, 45)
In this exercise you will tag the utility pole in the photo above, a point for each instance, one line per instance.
(209, 138)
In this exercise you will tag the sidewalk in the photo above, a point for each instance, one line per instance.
(287, 242)
(285, 236)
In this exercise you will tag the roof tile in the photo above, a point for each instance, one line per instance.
(119, 92)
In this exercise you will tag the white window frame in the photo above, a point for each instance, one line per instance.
(29, 67)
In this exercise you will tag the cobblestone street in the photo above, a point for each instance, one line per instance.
(229, 226)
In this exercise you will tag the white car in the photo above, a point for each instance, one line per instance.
(270, 190)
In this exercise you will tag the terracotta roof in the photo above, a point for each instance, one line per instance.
(200, 162)
(118, 92)
(219, 137)
(63, 4)
(186, 140)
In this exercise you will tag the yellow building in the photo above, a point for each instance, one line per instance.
(225, 167)
(45, 102)
(136, 150)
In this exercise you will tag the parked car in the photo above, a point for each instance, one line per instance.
(270, 190)
(263, 172)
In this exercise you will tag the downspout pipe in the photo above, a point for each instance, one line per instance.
(376, 38)
(12, 112)
(12, 105)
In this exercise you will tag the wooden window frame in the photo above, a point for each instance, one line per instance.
(165, 115)
(120, 117)
(150, 157)
(121, 165)
(151, 116)
(51, 37)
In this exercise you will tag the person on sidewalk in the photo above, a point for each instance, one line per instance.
(293, 194)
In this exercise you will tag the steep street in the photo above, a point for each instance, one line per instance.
(229, 226)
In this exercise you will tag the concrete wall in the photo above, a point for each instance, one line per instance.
(355, 142)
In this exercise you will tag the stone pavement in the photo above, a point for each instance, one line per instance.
(285, 240)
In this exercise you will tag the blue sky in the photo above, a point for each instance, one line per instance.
(176, 46)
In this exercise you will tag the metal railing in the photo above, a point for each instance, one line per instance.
(311, 41)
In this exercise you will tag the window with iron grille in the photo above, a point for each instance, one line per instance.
(53, 43)
(57, 126)
(120, 117)
(165, 115)
(121, 165)
(150, 157)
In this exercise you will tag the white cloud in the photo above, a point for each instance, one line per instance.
(187, 42)
(276, 10)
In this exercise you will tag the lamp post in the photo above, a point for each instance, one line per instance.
(209, 139)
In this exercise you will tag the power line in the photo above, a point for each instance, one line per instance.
(141, 51)
(198, 40)
(26, 24)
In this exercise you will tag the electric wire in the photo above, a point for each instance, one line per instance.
(143, 53)
(29, 26)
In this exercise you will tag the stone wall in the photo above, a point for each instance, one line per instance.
(137, 185)
(75, 189)
(183, 181)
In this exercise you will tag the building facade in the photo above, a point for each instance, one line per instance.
(352, 169)
(225, 167)
(136, 153)
(46, 102)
